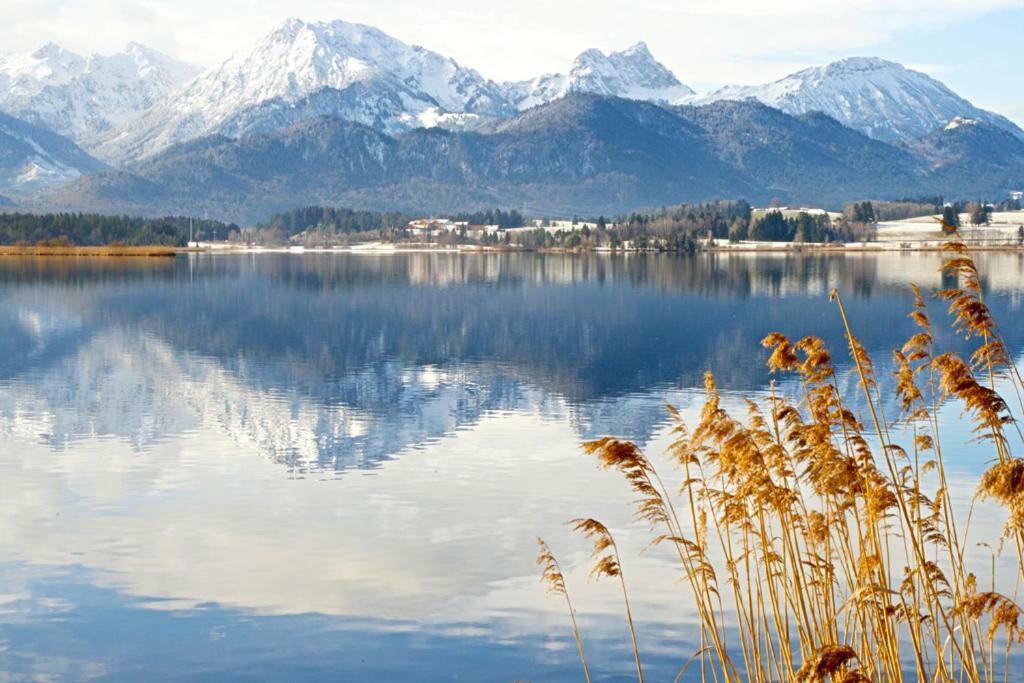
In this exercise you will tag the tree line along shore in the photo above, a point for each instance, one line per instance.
(733, 225)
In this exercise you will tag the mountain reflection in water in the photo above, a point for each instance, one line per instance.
(338, 361)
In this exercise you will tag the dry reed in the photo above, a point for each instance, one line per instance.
(838, 561)
(551, 575)
(92, 252)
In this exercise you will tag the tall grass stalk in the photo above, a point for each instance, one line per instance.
(552, 577)
(608, 563)
(838, 548)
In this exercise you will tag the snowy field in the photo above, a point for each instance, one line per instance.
(923, 232)
(1003, 228)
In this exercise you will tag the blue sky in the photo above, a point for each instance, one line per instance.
(972, 45)
(980, 58)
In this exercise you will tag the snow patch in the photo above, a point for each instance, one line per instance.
(959, 121)
(38, 171)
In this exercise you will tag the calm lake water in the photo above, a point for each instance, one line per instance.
(334, 467)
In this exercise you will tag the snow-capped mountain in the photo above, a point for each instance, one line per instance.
(32, 157)
(83, 97)
(301, 70)
(633, 73)
(882, 99)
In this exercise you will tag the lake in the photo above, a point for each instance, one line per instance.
(335, 466)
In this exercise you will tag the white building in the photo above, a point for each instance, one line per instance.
(793, 212)
(554, 226)
(433, 226)
(478, 231)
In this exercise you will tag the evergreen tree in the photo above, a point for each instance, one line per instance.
(772, 227)
(739, 231)
(980, 213)
(950, 218)
(85, 229)
(868, 212)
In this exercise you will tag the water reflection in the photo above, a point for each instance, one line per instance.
(313, 466)
(339, 361)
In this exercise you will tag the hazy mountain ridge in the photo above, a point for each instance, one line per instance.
(579, 151)
(971, 157)
(811, 157)
(32, 157)
(579, 154)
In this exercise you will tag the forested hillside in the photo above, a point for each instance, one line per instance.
(85, 229)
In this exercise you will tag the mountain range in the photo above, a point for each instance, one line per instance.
(578, 153)
(342, 113)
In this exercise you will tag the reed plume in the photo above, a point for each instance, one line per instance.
(837, 547)
(551, 576)
(606, 555)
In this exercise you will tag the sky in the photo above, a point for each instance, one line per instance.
(971, 45)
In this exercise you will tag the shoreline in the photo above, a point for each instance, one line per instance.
(747, 248)
(384, 249)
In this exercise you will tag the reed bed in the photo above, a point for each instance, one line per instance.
(838, 553)
(93, 252)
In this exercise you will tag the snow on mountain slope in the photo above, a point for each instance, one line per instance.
(300, 61)
(32, 157)
(82, 97)
(633, 73)
(882, 99)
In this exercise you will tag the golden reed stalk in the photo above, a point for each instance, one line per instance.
(840, 563)
(551, 575)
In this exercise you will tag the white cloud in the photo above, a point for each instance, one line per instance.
(710, 41)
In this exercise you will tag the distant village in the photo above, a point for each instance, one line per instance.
(901, 224)
(728, 224)
(432, 227)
